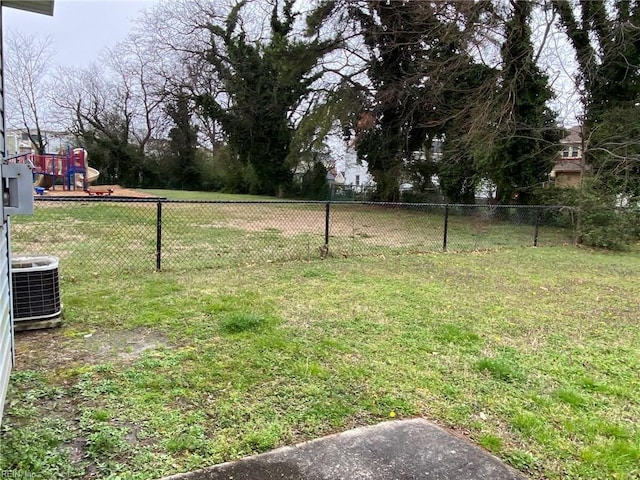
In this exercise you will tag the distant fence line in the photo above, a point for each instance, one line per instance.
(95, 234)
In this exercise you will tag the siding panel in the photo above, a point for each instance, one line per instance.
(6, 328)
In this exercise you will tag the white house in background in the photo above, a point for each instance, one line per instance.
(6, 314)
(19, 143)
(356, 173)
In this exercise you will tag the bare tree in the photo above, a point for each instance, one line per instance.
(28, 63)
(171, 36)
(115, 109)
(142, 91)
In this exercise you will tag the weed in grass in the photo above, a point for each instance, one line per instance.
(542, 402)
(528, 423)
(460, 412)
(592, 385)
(104, 368)
(491, 442)
(35, 387)
(522, 460)
(228, 303)
(597, 428)
(610, 430)
(456, 334)
(617, 456)
(27, 378)
(37, 449)
(262, 438)
(106, 387)
(242, 313)
(18, 409)
(243, 322)
(89, 417)
(450, 391)
(570, 397)
(317, 273)
(502, 368)
(190, 438)
(183, 442)
(383, 405)
(304, 368)
(106, 441)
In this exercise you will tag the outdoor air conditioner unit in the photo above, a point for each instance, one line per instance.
(36, 292)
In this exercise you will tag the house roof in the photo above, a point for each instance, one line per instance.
(573, 165)
(574, 135)
(44, 7)
(336, 176)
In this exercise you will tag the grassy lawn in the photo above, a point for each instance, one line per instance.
(210, 196)
(531, 353)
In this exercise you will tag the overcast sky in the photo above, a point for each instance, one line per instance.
(79, 29)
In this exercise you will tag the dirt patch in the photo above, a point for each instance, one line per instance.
(310, 223)
(117, 191)
(89, 348)
(123, 346)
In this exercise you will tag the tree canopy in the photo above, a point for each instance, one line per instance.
(264, 82)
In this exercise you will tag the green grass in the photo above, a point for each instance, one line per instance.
(196, 195)
(533, 352)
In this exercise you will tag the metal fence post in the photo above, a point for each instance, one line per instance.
(159, 237)
(536, 230)
(446, 227)
(326, 223)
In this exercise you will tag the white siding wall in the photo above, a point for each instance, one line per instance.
(6, 327)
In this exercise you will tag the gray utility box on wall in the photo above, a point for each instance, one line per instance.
(35, 285)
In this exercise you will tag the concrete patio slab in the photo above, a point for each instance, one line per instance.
(397, 450)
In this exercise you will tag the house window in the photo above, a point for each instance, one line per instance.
(33, 138)
(357, 180)
(575, 152)
(565, 152)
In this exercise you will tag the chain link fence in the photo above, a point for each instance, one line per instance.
(103, 234)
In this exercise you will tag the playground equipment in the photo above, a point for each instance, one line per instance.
(69, 168)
